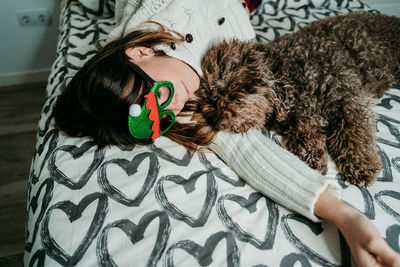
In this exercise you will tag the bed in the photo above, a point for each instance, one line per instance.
(156, 206)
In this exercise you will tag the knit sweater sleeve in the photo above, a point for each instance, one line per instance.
(274, 171)
(131, 13)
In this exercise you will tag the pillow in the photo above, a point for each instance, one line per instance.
(97, 8)
(252, 4)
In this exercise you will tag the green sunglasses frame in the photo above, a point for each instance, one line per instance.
(142, 126)
(148, 123)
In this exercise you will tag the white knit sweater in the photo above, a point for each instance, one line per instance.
(270, 169)
(274, 171)
(208, 22)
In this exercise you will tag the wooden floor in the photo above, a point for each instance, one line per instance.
(20, 108)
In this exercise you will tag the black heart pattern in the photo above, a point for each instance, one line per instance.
(76, 153)
(250, 205)
(46, 108)
(74, 212)
(317, 229)
(88, 54)
(293, 258)
(393, 237)
(53, 134)
(189, 186)
(321, 15)
(274, 7)
(130, 168)
(203, 254)
(396, 163)
(369, 208)
(39, 257)
(33, 204)
(218, 173)
(135, 232)
(387, 121)
(387, 170)
(384, 205)
(93, 7)
(287, 24)
(184, 161)
(61, 75)
(386, 101)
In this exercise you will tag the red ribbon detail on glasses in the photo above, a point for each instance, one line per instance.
(152, 106)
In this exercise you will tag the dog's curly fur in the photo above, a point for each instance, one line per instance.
(315, 87)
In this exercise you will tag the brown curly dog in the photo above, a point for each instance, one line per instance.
(315, 87)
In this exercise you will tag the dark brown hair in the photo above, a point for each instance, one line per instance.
(93, 103)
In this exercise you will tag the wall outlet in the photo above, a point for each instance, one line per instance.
(38, 17)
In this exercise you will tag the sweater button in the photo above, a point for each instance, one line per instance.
(221, 21)
(189, 38)
(173, 46)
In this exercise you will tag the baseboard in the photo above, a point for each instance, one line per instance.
(22, 78)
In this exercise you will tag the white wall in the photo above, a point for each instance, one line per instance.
(26, 53)
(389, 7)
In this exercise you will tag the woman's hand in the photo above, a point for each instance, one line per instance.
(367, 246)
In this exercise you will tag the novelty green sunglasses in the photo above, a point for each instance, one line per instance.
(145, 121)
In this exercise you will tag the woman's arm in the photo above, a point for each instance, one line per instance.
(274, 171)
(366, 243)
(283, 177)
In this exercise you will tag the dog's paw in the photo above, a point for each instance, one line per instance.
(361, 178)
(360, 174)
(313, 153)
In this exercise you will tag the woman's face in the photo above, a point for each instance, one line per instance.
(164, 68)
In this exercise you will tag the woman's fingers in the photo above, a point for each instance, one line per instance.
(364, 258)
(386, 255)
